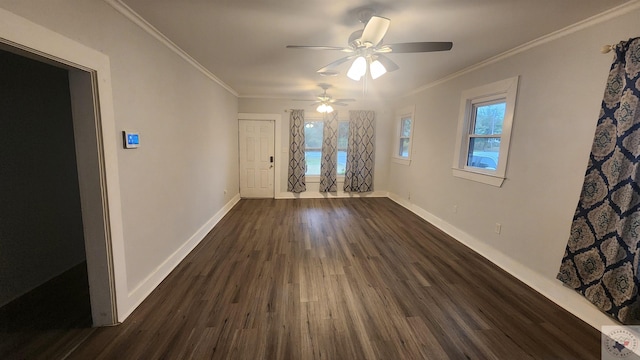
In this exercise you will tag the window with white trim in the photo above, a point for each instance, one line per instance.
(484, 132)
(404, 133)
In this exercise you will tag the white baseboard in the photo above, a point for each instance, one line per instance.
(550, 288)
(319, 195)
(137, 295)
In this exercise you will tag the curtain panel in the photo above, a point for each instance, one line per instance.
(297, 164)
(329, 163)
(601, 257)
(358, 175)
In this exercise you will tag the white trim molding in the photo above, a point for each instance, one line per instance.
(30, 37)
(146, 286)
(553, 290)
(612, 13)
(130, 14)
(400, 114)
(279, 157)
(504, 91)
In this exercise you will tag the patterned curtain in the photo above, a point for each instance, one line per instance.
(601, 257)
(358, 175)
(329, 164)
(297, 163)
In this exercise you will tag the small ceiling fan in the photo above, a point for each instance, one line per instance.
(325, 102)
(366, 47)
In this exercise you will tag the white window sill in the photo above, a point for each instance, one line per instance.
(493, 180)
(401, 161)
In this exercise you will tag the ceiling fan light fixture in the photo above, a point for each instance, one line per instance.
(377, 69)
(367, 48)
(324, 108)
(357, 69)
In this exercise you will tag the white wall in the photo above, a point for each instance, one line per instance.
(560, 90)
(383, 142)
(174, 184)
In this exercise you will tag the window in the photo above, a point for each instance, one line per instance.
(313, 130)
(343, 140)
(485, 135)
(313, 146)
(484, 131)
(405, 124)
(405, 139)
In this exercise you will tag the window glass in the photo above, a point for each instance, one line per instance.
(484, 153)
(489, 118)
(313, 146)
(484, 145)
(404, 147)
(403, 134)
(405, 137)
(343, 139)
(406, 127)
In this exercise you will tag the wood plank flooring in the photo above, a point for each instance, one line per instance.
(358, 278)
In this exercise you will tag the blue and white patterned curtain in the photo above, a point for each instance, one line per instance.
(297, 164)
(601, 257)
(329, 164)
(358, 176)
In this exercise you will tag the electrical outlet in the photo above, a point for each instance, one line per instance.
(225, 191)
(409, 196)
(455, 209)
(498, 228)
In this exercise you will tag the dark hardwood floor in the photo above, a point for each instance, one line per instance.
(358, 278)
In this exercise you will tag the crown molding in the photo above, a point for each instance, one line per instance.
(266, 97)
(129, 13)
(586, 23)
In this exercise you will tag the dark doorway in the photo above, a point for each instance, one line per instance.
(43, 276)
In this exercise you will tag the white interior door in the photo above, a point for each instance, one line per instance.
(256, 158)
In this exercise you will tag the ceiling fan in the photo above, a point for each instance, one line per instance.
(325, 102)
(366, 47)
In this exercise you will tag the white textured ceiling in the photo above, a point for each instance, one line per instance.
(243, 42)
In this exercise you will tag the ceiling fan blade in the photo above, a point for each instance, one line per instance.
(375, 30)
(414, 47)
(343, 100)
(303, 100)
(339, 103)
(334, 64)
(328, 73)
(338, 48)
(388, 64)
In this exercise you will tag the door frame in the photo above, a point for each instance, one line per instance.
(278, 151)
(94, 122)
